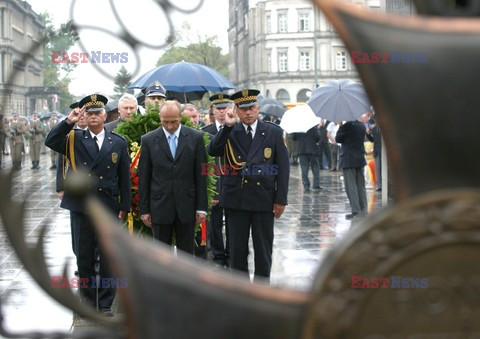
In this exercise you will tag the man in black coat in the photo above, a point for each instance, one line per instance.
(104, 155)
(172, 189)
(352, 161)
(308, 151)
(220, 104)
(255, 185)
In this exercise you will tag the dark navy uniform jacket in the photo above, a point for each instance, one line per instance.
(265, 182)
(109, 169)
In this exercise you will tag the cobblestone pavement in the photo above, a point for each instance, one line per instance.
(313, 221)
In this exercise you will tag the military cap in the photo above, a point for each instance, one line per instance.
(93, 103)
(245, 97)
(74, 105)
(155, 89)
(220, 100)
(15, 114)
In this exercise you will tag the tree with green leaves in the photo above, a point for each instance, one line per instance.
(205, 51)
(61, 40)
(123, 79)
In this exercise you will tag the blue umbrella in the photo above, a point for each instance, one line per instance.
(185, 77)
(339, 100)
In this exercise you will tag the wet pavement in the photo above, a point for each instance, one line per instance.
(312, 222)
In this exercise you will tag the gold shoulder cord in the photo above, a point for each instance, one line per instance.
(70, 151)
(230, 156)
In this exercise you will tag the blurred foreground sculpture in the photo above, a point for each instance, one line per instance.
(429, 114)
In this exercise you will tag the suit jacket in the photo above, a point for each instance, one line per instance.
(170, 187)
(308, 143)
(109, 168)
(110, 126)
(212, 129)
(260, 187)
(352, 153)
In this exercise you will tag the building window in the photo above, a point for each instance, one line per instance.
(283, 96)
(303, 95)
(304, 22)
(268, 23)
(282, 61)
(282, 23)
(341, 61)
(304, 61)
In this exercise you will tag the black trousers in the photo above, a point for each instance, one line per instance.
(239, 224)
(184, 234)
(85, 245)
(220, 250)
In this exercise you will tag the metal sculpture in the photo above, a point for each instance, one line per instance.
(433, 231)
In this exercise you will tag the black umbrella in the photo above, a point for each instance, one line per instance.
(111, 105)
(269, 101)
(272, 110)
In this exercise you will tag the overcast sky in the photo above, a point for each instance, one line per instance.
(144, 19)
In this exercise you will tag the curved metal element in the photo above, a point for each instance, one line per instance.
(447, 8)
(407, 95)
(436, 236)
(33, 258)
(181, 298)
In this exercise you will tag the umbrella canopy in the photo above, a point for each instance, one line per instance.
(185, 77)
(262, 101)
(111, 105)
(299, 119)
(272, 110)
(339, 100)
(48, 115)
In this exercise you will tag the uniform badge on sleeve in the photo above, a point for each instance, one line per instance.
(114, 157)
(267, 153)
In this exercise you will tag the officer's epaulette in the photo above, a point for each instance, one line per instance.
(119, 135)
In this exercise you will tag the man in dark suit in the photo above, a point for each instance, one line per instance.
(127, 105)
(352, 161)
(220, 104)
(255, 189)
(308, 151)
(104, 156)
(173, 191)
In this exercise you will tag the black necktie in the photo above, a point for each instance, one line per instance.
(249, 136)
(96, 144)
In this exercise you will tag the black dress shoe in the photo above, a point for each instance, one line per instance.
(351, 216)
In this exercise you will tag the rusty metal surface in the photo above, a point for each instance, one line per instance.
(429, 116)
(436, 236)
(181, 298)
(428, 111)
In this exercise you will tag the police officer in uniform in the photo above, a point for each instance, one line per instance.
(15, 131)
(155, 95)
(255, 183)
(104, 156)
(36, 138)
(220, 104)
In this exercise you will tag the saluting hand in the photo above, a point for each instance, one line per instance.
(75, 115)
(230, 118)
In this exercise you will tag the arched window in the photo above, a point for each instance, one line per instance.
(283, 95)
(303, 95)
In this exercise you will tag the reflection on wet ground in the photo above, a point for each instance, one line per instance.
(313, 221)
